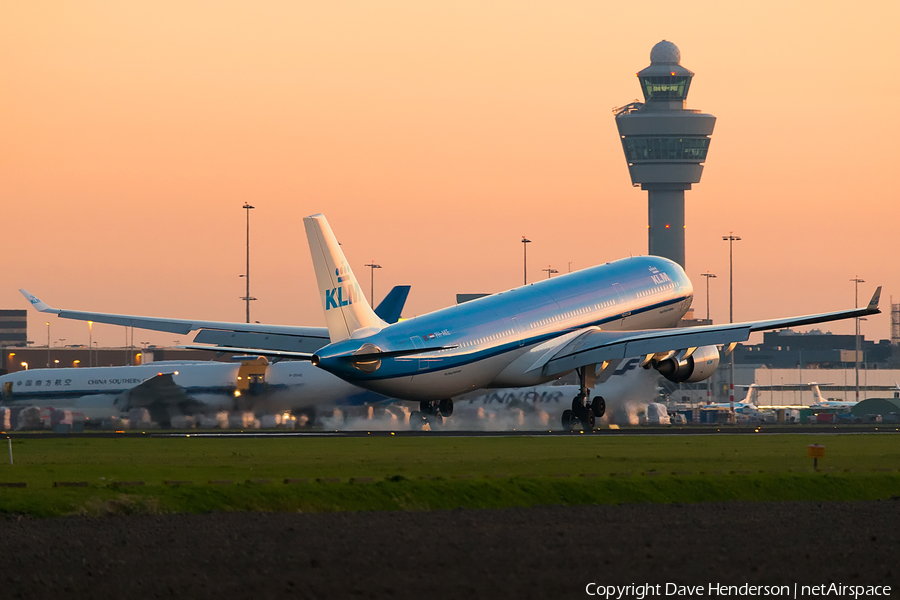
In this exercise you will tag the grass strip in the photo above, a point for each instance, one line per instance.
(400, 493)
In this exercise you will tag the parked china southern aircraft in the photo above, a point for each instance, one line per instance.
(522, 337)
(171, 388)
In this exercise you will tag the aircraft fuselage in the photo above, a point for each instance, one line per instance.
(492, 341)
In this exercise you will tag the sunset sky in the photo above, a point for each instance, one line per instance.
(433, 136)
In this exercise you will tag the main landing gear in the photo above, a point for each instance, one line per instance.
(583, 412)
(432, 413)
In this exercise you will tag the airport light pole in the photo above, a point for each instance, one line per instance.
(372, 266)
(525, 242)
(550, 271)
(731, 238)
(247, 298)
(48, 344)
(708, 276)
(90, 343)
(856, 281)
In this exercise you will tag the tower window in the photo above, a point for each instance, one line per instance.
(665, 87)
(640, 149)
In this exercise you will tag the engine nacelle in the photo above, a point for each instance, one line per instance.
(697, 367)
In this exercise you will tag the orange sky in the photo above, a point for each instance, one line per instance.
(433, 138)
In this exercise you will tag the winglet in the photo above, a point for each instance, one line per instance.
(42, 306)
(873, 303)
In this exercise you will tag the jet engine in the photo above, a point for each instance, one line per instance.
(697, 366)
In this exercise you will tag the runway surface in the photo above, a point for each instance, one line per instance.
(543, 552)
(361, 432)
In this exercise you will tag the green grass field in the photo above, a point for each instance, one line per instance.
(408, 473)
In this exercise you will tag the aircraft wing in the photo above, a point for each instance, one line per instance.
(223, 333)
(596, 346)
(160, 388)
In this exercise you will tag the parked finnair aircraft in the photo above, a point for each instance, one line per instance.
(628, 387)
(522, 337)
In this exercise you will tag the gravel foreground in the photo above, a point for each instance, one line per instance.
(543, 552)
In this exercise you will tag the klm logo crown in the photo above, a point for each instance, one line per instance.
(342, 295)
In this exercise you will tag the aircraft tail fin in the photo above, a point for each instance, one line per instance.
(346, 308)
(752, 395)
(818, 398)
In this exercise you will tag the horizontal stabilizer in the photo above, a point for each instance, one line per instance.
(390, 308)
(251, 351)
(378, 355)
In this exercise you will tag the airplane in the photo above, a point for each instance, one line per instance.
(822, 402)
(629, 388)
(226, 333)
(521, 337)
(171, 388)
(749, 405)
(819, 398)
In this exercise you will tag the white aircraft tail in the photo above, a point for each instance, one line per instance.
(818, 398)
(752, 395)
(346, 308)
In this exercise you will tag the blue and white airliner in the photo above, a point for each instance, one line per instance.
(521, 337)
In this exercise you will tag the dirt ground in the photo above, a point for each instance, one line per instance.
(543, 552)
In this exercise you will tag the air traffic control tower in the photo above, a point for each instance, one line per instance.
(665, 146)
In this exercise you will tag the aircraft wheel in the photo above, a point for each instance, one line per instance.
(435, 420)
(598, 406)
(578, 404)
(446, 407)
(587, 421)
(567, 420)
(416, 420)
